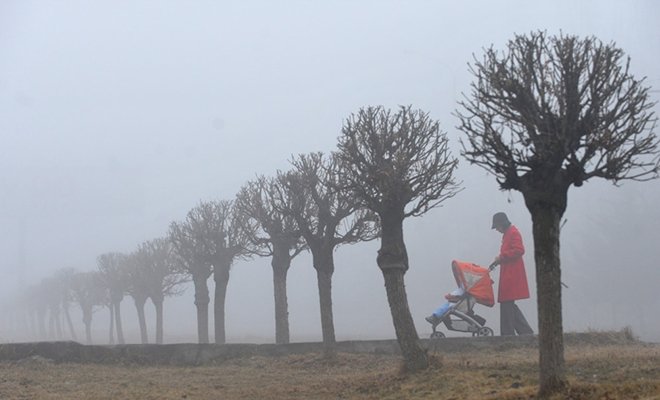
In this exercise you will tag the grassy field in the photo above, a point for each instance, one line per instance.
(617, 368)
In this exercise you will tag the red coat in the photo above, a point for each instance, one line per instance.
(513, 278)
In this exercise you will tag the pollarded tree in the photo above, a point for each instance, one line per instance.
(218, 232)
(112, 272)
(271, 234)
(65, 278)
(138, 287)
(398, 165)
(161, 274)
(327, 217)
(189, 254)
(548, 113)
(50, 290)
(88, 293)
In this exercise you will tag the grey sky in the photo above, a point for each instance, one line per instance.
(119, 116)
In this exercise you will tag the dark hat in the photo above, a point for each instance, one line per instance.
(500, 219)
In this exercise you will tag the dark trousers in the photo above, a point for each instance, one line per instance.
(512, 320)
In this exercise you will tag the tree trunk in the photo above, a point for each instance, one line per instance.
(139, 305)
(393, 261)
(324, 266)
(111, 330)
(41, 318)
(158, 304)
(546, 222)
(221, 278)
(202, 300)
(120, 329)
(281, 262)
(54, 326)
(87, 320)
(69, 322)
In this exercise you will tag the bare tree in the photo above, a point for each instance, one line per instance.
(218, 239)
(160, 274)
(38, 307)
(86, 292)
(272, 234)
(49, 289)
(327, 217)
(138, 288)
(399, 166)
(548, 113)
(112, 272)
(189, 253)
(65, 277)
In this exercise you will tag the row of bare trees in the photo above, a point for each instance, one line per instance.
(547, 114)
(305, 208)
(150, 272)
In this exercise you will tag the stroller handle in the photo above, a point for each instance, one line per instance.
(493, 265)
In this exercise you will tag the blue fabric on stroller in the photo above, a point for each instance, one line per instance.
(445, 308)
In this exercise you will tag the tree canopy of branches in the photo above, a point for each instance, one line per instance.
(398, 165)
(271, 233)
(327, 217)
(548, 113)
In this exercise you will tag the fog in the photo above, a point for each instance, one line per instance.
(118, 117)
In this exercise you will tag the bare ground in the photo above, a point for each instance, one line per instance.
(613, 369)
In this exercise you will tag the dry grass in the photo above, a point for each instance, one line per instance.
(626, 370)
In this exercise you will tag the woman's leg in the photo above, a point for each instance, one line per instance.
(507, 318)
(520, 323)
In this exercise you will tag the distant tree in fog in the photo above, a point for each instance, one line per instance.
(189, 254)
(65, 278)
(327, 217)
(88, 293)
(271, 233)
(36, 304)
(138, 288)
(549, 113)
(50, 291)
(398, 165)
(160, 274)
(112, 273)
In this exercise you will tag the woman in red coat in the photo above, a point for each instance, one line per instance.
(513, 278)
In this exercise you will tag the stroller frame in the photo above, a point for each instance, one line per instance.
(478, 289)
(463, 321)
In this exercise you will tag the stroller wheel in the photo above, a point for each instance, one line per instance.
(485, 331)
(437, 335)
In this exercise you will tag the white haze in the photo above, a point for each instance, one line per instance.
(117, 117)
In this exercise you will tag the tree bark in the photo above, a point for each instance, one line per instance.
(111, 328)
(202, 300)
(69, 322)
(324, 266)
(41, 318)
(158, 304)
(139, 305)
(393, 261)
(87, 320)
(221, 278)
(545, 221)
(281, 263)
(120, 329)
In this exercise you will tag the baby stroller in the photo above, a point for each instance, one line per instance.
(474, 286)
